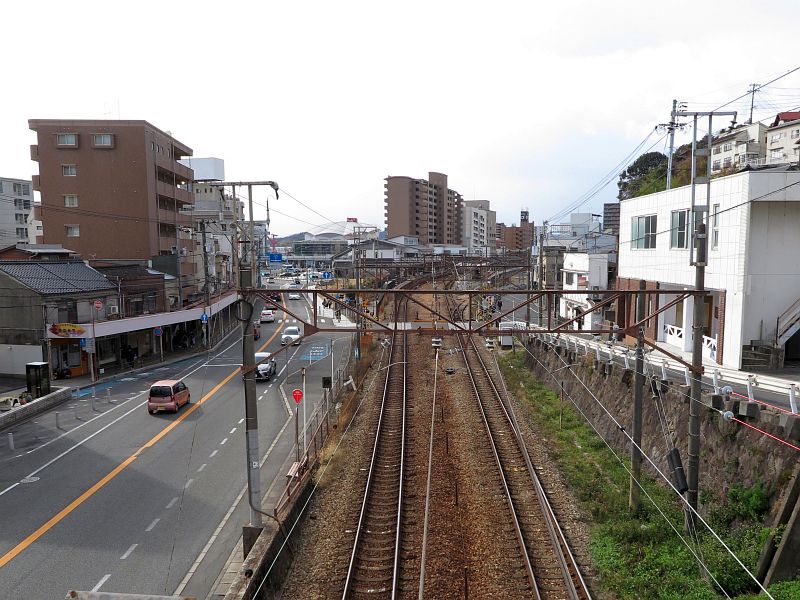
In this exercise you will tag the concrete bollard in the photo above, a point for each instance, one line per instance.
(94, 392)
(10, 441)
(108, 395)
(77, 418)
(58, 420)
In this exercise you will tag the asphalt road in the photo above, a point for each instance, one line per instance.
(121, 500)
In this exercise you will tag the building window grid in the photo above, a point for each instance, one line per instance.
(678, 229)
(22, 233)
(715, 226)
(643, 232)
(102, 140)
(67, 139)
(72, 230)
(69, 170)
(71, 200)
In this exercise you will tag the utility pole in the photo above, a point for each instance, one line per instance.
(698, 253)
(206, 286)
(248, 354)
(753, 90)
(671, 127)
(528, 298)
(634, 501)
(541, 269)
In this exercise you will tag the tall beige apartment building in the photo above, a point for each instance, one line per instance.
(115, 190)
(425, 208)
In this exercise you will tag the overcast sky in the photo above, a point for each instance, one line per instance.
(526, 104)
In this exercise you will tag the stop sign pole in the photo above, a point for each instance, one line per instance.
(298, 396)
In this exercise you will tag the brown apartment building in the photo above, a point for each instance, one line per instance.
(516, 237)
(425, 208)
(115, 190)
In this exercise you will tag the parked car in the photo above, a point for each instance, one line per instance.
(294, 295)
(267, 369)
(167, 394)
(267, 315)
(291, 335)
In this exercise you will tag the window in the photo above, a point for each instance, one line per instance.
(22, 204)
(69, 170)
(22, 189)
(715, 226)
(727, 162)
(67, 139)
(643, 232)
(73, 230)
(776, 136)
(103, 140)
(569, 278)
(776, 154)
(715, 166)
(716, 150)
(727, 147)
(19, 219)
(795, 133)
(71, 200)
(678, 235)
(22, 232)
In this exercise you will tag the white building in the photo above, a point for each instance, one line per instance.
(783, 137)
(739, 146)
(16, 210)
(582, 273)
(479, 227)
(753, 272)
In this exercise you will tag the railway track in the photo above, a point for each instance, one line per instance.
(542, 551)
(374, 566)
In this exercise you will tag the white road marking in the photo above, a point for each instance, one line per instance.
(222, 443)
(201, 467)
(128, 552)
(100, 583)
(11, 487)
(188, 483)
(285, 401)
(233, 430)
(193, 569)
(153, 524)
(213, 454)
(172, 502)
(242, 419)
(83, 441)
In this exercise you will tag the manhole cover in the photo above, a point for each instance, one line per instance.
(29, 480)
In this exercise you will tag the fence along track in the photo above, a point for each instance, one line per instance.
(374, 562)
(551, 568)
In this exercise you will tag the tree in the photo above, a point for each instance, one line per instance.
(644, 175)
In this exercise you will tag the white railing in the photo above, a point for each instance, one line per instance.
(673, 335)
(788, 323)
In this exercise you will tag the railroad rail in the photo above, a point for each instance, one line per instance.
(551, 569)
(374, 566)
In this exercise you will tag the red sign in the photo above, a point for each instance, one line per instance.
(352, 219)
(98, 304)
(297, 395)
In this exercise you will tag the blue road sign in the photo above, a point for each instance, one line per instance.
(326, 274)
(315, 352)
(158, 331)
(275, 257)
(204, 318)
(83, 343)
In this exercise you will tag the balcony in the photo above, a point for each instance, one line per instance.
(35, 152)
(35, 183)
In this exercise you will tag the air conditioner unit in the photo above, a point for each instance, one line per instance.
(173, 249)
(113, 310)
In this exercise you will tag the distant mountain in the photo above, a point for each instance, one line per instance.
(295, 237)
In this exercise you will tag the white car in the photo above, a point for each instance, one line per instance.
(267, 316)
(291, 335)
(294, 295)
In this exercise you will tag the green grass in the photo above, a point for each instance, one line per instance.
(641, 556)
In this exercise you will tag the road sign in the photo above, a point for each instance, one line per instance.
(275, 257)
(89, 347)
(158, 331)
(204, 318)
(297, 395)
(326, 274)
(82, 342)
(98, 304)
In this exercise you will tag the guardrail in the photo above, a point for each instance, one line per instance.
(611, 352)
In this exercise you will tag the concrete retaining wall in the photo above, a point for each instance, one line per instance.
(38, 406)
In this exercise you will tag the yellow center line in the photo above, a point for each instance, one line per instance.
(64, 512)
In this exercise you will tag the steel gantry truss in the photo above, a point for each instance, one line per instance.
(466, 318)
